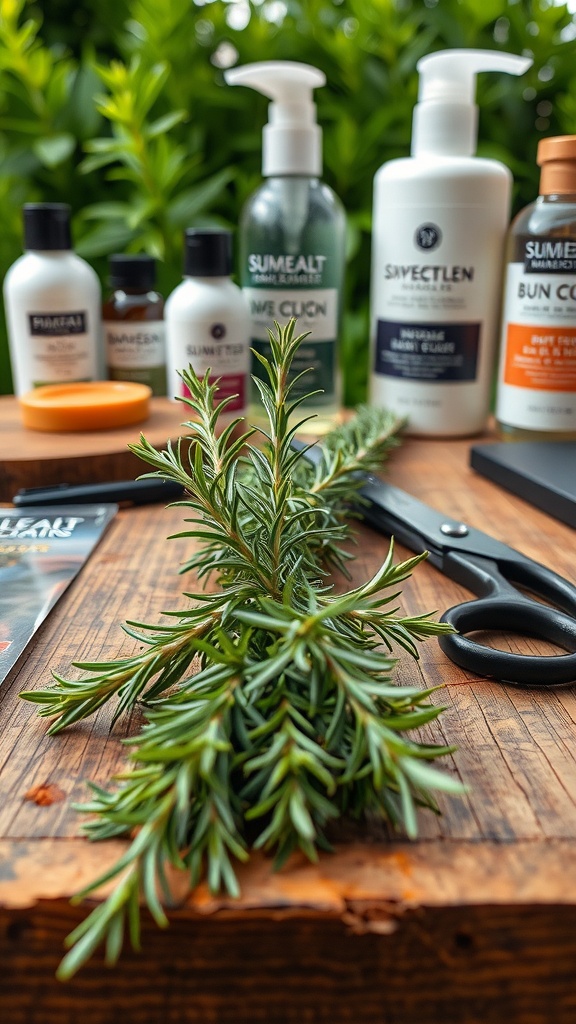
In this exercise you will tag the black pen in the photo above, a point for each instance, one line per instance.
(133, 492)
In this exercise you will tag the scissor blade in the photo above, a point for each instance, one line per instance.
(422, 528)
(489, 569)
(393, 511)
(419, 527)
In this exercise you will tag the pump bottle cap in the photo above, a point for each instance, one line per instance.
(47, 226)
(557, 158)
(207, 253)
(446, 117)
(292, 140)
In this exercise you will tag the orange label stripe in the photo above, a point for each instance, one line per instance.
(541, 358)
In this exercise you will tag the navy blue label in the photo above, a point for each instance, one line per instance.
(427, 351)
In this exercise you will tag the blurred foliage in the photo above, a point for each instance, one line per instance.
(119, 107)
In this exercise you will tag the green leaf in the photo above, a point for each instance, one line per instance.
(430, 778)
(165, 123)
(111, 236)
(193, 201)
(55, 149)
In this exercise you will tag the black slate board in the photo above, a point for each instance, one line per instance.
(541, 472)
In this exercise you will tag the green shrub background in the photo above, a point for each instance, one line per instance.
(119, 107)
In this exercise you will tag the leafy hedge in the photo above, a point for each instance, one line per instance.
(120, 108)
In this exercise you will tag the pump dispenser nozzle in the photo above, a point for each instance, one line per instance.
(292, 140)
(446, 117)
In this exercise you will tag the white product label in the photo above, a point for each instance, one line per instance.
(61, 348)
(218, 346)
(429, 293)
(134, 344)
(316, 310)
(435, 284)
(537, 377)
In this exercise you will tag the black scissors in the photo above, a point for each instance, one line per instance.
(493, 571)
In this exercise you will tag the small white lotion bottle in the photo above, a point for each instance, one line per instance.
(53, 305)
(207, 322)
(439, 227)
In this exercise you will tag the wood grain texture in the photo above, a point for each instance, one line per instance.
(475, 921)
(465, 964)
(32, 458)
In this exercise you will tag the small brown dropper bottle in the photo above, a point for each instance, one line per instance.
(133, 317)
(537, 374)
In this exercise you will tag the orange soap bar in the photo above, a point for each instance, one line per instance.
(93, 405)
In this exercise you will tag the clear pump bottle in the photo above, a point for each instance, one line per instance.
(536, 395)
(292, 238)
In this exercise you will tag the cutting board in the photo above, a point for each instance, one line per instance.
(32, 458)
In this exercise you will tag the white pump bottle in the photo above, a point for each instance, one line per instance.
(292, 237)
(439, 227)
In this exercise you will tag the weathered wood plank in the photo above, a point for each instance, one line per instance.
(449, 964)
(398, 875)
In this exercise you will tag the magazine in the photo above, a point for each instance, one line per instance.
(42, 549)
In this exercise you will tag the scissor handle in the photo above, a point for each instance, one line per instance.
(519, 614)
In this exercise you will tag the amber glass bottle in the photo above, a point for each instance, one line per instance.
(133, 316)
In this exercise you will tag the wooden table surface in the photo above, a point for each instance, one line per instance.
(473, 922)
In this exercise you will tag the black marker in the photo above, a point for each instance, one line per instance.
(133, 492)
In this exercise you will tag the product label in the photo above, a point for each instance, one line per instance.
(537, 389)
(53, 325)
(541, 357)
(316, 310)
(281, 269)
(418, 352)
(61, 349)
(218, 348)
(550, 256)
(136, 351)
(436, 270)
(426, 273)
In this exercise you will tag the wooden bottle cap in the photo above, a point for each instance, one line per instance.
(557, 159)
(82, 406)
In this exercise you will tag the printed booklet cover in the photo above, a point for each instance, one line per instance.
(41, 551)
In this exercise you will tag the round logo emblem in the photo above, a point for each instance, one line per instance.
(428, 236)
(218, 331)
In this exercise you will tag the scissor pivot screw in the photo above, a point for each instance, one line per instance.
(454, 529)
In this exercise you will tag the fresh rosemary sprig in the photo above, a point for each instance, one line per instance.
(292, 718)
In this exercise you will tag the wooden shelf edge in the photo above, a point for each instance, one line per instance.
(395, 876)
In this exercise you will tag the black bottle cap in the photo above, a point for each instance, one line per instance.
(47, 226)
(134, 271)
(207, 252)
